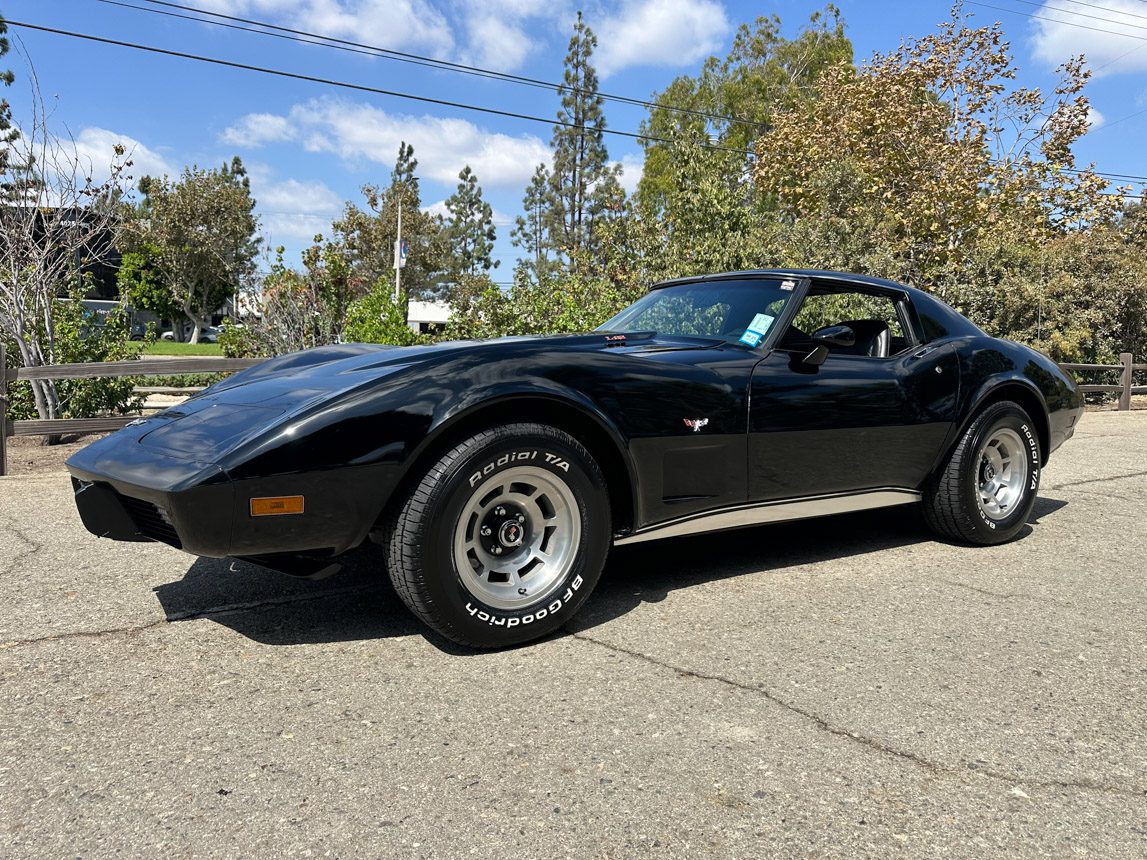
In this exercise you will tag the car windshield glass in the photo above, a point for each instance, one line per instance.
(741, 311)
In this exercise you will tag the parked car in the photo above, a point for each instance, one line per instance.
(497, 474)
(207, 334)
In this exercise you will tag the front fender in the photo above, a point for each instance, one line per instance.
(536, 400)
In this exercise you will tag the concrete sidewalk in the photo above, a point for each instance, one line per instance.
(833, 688)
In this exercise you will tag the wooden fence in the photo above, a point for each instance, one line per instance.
(95, 370)
(1124, 389)
(179, 366)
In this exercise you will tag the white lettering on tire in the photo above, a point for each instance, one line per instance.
(537, 615)
(507, 459)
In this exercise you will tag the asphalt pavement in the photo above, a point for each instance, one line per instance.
(845, 687)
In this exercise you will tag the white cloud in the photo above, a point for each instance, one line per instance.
(438, 208)
(1107, 53)
(1094, 119)
(632, 167)
(95, 152)
(659, 33)
(499, 218)
(256, 129)
(411, 25)
(498, 32)
(443, 147)
(292, 208)
(496, 43)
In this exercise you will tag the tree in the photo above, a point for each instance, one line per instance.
(530, 231)
(733, 99)
(470, 232)
(581, 178)
(201, 232)
(927, 152)
(56, 223)
(141, 285)
(369, 235)
(8, 134)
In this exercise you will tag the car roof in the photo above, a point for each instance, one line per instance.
(814, 274)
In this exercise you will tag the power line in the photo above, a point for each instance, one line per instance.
(410, 96)
(1091, 6)
(357, 87)
(305, 37)
(1082, 27)
(321, 40)
(1121, 119)
(1057, 20)
(1086, 15)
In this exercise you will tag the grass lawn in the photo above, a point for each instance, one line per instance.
(169, 347)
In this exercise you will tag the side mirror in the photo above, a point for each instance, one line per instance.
(816, 357)
(835, 335)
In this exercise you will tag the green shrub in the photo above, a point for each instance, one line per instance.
(78, 336)
(378, 318)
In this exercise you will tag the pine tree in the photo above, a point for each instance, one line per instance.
(14, 176)
(581, 161)
(529, 231)
(470, 229)
(369, 236)
(7, 134)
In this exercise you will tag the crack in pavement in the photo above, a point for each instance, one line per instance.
(33, 546)
(1003, 595)
(935, 768)
(1096, 481)
(191, 615)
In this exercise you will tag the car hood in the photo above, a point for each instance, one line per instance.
(247, 405)
(335, 368)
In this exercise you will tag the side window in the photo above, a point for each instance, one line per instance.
(873, 318)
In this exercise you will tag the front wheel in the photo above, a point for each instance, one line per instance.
(985, 491)
(504, 537)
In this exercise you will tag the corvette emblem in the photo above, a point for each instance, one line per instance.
(696, 423)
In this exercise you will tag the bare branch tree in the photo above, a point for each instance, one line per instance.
(55, 219)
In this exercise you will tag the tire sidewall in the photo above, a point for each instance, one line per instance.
(465, 612)
(994, 419)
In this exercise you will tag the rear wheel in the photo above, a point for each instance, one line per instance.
(985, 491)
(503, 538)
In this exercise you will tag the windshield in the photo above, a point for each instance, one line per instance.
(741, 311)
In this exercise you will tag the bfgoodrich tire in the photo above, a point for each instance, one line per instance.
(503, 538)
(985, 491)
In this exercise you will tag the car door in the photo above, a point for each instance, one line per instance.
(853, 423)
(685, 414)
(675, 379)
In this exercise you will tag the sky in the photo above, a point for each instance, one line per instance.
(309, 147)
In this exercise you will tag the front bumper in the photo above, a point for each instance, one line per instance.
(198, 508)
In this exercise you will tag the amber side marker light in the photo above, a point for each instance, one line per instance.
(276, 506)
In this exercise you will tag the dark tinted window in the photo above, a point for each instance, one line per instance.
(733, 310)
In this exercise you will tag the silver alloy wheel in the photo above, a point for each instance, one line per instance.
(1002, 476)
(517, 537)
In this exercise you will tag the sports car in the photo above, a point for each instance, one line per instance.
(497, 474)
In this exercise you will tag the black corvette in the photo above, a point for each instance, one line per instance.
(497, 474)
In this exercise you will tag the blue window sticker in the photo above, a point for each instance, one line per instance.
(752, 338)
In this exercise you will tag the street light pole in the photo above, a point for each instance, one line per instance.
(398, 254)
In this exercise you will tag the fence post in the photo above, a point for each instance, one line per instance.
(1125, 381)
(3, 413)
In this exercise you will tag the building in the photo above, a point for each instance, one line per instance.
(428, 317)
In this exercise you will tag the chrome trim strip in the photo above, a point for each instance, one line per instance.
(774, 512)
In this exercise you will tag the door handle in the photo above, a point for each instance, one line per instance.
(920, 353)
